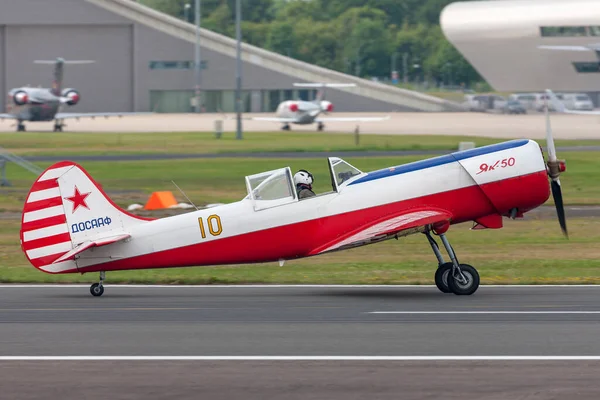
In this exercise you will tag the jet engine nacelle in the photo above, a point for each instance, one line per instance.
(326, 106)
(72, 95)
(21, 98)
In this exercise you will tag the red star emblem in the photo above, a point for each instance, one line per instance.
(78, 199)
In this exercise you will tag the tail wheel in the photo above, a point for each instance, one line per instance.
(441, 277)
(465, 283)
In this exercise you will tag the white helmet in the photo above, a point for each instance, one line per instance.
(303, 177)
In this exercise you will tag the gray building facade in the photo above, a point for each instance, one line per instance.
(139, 67)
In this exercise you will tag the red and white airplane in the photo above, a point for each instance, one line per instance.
(69, 225)
(302, 112)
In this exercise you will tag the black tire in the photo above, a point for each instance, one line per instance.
(441, 277)
(96, 290)
(472, 281)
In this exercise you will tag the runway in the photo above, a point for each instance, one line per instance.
(318, 321)
(281, 321)
(531, 126)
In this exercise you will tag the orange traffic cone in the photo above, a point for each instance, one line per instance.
(160, 200)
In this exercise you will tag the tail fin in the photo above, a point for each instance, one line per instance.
(321, 93)
(59, 71)
(65, 213)
(558, 105)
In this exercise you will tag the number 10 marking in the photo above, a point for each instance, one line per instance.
(211, 226)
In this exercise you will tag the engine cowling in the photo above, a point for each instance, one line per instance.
(72, 95)
(293, 107)
(327, 106)
(21, 98)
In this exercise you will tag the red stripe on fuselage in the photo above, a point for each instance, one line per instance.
(47, 241)
(42, 204)
(43, 185)
(43, 223)
(299, 239)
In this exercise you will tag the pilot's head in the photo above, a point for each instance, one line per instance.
(303, 177)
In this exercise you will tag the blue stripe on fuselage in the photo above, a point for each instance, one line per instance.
(434, 162)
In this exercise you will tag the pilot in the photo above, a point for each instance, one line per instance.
(304, 181)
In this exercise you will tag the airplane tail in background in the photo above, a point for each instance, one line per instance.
(558, 105)
(321, 93)
(59, 71)
(65, 213)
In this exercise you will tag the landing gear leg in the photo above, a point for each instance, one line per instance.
(20, 127)
(286, 127)
(463, 279)
(321, 126)
(58, 126)
(98, 288)
(443, 270)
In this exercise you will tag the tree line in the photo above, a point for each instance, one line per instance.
(367, 38)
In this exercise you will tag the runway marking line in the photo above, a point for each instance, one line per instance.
(300, 358)
(481, 312)
(28, 286)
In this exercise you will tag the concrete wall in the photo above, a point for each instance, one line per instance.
(501, 38)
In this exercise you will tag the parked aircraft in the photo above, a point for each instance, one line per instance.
(44, 104)
(69, 225)
(560, 106)
(302, 112)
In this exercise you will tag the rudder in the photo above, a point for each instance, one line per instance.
(64, 208)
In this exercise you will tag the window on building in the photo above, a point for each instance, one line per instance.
(587, 67)
(175, 64)
(569, 31)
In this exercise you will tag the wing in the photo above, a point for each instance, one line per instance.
(361, 119)
(560, 107)
(93, 115)
(7, 116)
(405, 223)
(273, 119)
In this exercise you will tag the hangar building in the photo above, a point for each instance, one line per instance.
(144, 62)
(501, 38)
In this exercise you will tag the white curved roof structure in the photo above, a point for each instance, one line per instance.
(501, 40)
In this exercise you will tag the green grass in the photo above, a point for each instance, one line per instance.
(208, 181)
(528, 251)
(67, 144)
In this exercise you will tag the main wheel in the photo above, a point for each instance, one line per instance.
(441, 277)
(96, 289)
(458, 287)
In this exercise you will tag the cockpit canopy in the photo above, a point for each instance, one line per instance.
(275, 188)
(341, 171)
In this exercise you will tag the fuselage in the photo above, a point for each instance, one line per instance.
(469, 185)
(303, 112)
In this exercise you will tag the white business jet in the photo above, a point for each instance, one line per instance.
(302, 112)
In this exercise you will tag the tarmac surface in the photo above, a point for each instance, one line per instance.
(531, 126)
(317, 321)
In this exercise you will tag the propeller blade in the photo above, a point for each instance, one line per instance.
(558, 202)
(549, 138)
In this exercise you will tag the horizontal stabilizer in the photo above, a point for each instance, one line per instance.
(318, 85)
(92, 243)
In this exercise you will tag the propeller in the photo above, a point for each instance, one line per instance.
(555, 167)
